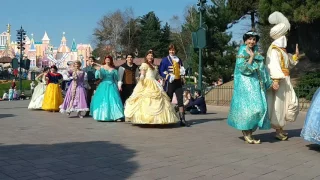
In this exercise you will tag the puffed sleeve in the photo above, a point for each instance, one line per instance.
(144, 66)
(97, 74)
(163, 69)
(116, 76)
(120, 75)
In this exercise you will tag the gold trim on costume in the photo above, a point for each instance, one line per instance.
(242, 56)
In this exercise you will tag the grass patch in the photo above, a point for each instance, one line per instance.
(4, 86)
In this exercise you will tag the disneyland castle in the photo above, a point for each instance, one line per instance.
(42, 53)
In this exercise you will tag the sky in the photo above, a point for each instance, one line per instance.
(78, 18)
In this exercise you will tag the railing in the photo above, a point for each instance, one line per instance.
(219, 95)
(222, 95)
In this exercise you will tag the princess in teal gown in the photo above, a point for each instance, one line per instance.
(248, 109)
(106, 104)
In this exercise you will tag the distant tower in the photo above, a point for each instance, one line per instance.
(32, 53)
(63, 52)
(45, 44)
(74, 51)
(45, 39)
(7, 51)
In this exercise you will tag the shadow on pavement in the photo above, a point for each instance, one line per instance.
(314, 147)
(270, 137)
(158, 126)
(6, 115)
(76, 160)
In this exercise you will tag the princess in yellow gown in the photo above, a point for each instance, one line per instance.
(149, 103)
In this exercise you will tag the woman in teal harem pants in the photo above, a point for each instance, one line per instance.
(248, 109)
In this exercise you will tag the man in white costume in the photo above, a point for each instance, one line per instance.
(283, 103)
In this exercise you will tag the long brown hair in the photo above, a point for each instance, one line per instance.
(111, 61)
(146, 60)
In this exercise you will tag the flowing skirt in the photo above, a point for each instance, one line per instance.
(311, 129)
(79, 103)
(283, 105)
(52, 98)
(106, 104)
(149, 104)
(37, 97)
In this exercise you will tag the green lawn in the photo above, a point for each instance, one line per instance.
(25, 86)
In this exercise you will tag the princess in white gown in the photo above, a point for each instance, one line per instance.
(39, 90)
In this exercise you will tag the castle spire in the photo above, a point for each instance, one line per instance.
(45, 38)
(32, 46)
(74, 46)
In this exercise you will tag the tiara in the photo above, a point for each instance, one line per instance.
(252, 33)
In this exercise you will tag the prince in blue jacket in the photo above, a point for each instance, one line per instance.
(172, 72)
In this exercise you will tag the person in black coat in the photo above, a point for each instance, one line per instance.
(198, 104)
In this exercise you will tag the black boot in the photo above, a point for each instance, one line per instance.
(183, 121)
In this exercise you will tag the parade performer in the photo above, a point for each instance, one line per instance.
(53, 95)
(90, 70)
(283, 104)
(75, 99)
(39, 90)
(128, 74)
(149, 103)
(106, 103)
(172, 71)
(248, 109)
(311, 129)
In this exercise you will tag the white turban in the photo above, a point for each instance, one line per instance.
(282, 25)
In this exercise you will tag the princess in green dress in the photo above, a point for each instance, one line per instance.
(248, 109)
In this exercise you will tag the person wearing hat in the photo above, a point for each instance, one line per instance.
(248, 109)
(283, 103)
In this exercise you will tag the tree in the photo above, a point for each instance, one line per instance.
(165, 40)
(219, 59)
(176, 37)
(150, 37)
(130, 37)
(304, 17)
(109, 31)
(240, 9)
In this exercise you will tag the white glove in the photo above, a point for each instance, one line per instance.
(182, 71)
(141, 77)
(171, 78)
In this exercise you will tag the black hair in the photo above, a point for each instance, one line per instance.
(130, 54)
(92, 57)
(46, 69)
(198, 91)
(250, 34)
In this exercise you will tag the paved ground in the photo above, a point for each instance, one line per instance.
(41, 145)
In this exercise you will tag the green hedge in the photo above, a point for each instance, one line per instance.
(5, 86)
(307, 85)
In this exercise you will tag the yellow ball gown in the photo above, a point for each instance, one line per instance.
(53, 95)
(149, 103)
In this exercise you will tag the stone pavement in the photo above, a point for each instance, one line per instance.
(50, 146)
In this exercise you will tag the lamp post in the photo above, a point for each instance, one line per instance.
(201, 4)
(21, 37)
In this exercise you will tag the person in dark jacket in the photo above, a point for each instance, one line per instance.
(198, 104)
